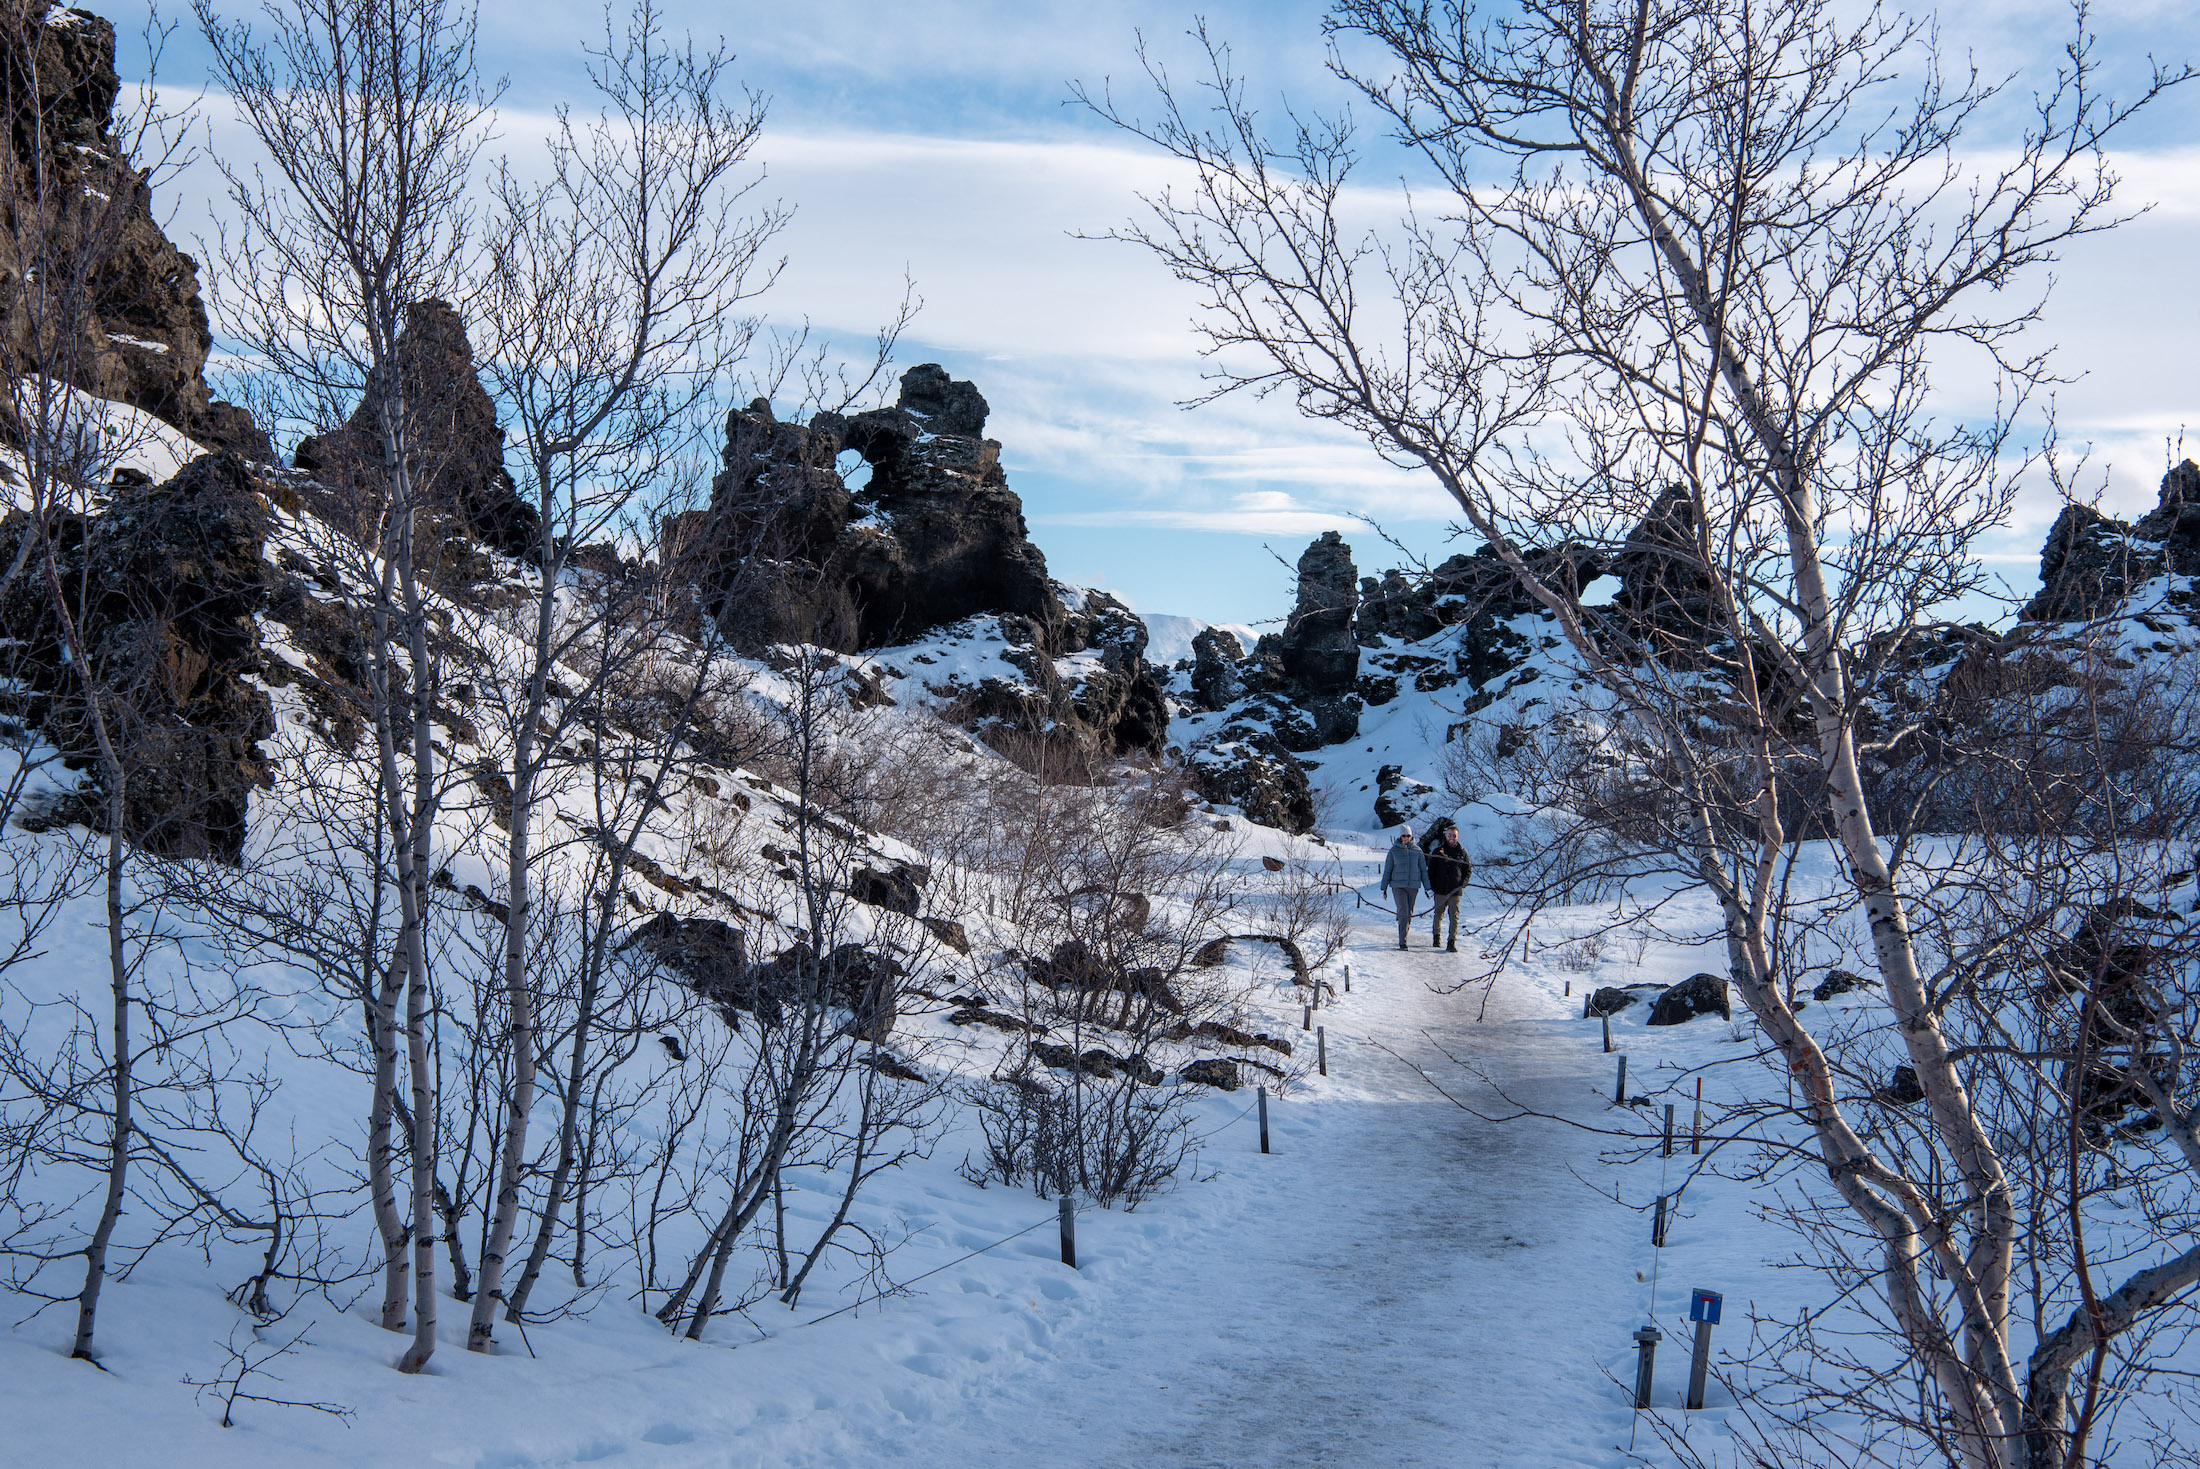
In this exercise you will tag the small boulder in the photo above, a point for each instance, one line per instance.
(949, 932)
(1213, 1071)
(1107, 1063)
(980, 1015)
(1699, 994)
(1096, 1063)
(1902, 1088)
(1609, 1000)
(887, 1064)
(1838, 982)
(895, 889)
(710, 955)
(1228, 1035)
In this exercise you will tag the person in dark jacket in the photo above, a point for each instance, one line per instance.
(1406, 871)
(1448, 870)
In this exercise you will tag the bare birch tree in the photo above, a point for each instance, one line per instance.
(371, 116)
(613, 299)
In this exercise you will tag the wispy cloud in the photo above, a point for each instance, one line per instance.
(1259, 513)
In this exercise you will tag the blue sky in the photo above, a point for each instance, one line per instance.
(933, 137)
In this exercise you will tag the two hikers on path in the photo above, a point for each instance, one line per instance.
(1443, 869)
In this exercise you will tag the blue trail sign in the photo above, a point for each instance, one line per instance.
(1703, 1309)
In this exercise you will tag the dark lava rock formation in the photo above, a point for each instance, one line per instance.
(933, 536)
(1256, 776)
(460, 454)
(163, 586)
(2091, 562)
(1216, 683)
(142, 336)
(1665, 593)
(1320, 657)
(1297, 691)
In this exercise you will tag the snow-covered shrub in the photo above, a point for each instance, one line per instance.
(1116, 896)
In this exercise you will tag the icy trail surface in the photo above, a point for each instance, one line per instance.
(1400, 1282)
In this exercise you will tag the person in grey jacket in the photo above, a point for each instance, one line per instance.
(1405, 869)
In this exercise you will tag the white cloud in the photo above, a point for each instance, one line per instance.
(1257, 513)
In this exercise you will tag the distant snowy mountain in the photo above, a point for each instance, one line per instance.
(1169, 638)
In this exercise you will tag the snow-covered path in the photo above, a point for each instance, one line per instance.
(1383, 1289)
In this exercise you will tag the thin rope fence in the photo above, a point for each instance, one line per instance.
(897, 1290)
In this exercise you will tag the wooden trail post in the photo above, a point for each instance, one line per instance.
(1619, 1088)
(1703, 1309)
(1646, 1350)
(1264, 1119)
(1321, 1046)
(1668, 1131)
(1068, 1212)
(1695, 1139)
(1306, 1017)
(1607, 1029)
(1348, 979)
(1657, 1226)
(1569, 989)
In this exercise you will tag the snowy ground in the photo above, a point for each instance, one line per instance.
(1400, 1282)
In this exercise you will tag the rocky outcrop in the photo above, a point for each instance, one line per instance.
(1665, 595)
(933, 536)
(1258, 778)
(1110, 687)
(1480, 600)
(1400, 607)
(140, 336)
(1400, 799)
(1320, 657)
(1467, 588)
(459, 462)
(163, 587)
(1297, 691)
(1097, 700)
(2175, 520)
(2091, 562)
(1216, 654)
